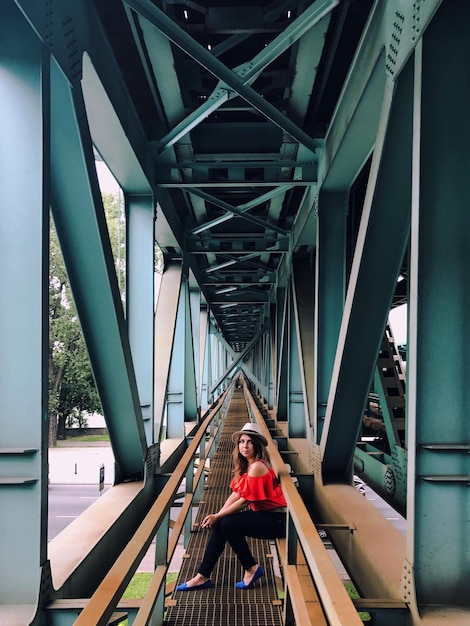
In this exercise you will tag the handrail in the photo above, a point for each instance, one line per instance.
(337, 606)
(104, 600)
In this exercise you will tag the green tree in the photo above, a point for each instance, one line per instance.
(72, 390)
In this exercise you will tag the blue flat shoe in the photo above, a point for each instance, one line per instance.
(184, 586)
(259, 572)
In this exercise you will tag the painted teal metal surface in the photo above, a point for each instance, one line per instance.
(165, 330)
(439, 472)
(24, 244)
(297, 415)
(330, 290)
(181, 391)
(140, 294)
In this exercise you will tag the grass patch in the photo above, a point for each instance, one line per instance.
(138, 586)
(86, 438)
(353, 594)
(140, 583)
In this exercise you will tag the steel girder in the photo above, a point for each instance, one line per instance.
(330, 294)
(180, 396)
(140, 298)
(439, 468)
(24, 212)
(165, 320)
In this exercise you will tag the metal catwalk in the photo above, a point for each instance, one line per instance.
(223, 603)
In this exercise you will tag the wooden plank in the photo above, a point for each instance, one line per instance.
(306, 612)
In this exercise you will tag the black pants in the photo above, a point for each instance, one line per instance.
(233, 529)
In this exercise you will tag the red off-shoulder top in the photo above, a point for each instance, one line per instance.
(262, 492)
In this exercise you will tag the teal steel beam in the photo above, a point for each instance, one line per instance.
(24, 280)
(381, 242)
(81, 228)
(304, 285)
(438, 359)
(248, 72)
(181, 390)
(196, 329)
(175, 391)
(297, 408)
(214, 102)
(272, 349)
(202, 360)
(243, 163)
(331, 289)
(283, 312)
(351, 134)
(211, 184)
(391, 33)
(240, 212)
(165, 322)
(114, 126)
(140, 281)
(206, 397)
(191, 47)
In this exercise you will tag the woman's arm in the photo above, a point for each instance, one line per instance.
(233, 497)
(233, 504)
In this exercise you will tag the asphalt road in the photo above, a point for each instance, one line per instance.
(393, 517)
(66, 502)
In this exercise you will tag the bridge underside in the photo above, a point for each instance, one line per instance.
(303, 168)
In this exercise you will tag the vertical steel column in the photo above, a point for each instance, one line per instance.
(191, 349)
(330, 289)
(140, 299)
(304, 283)
(283, 312)
(202, 399)
(24, 247)
(273, 358)
(297, 403)
(196, 328)
(181, 391)
(439, 360)
(165, 317)
(207, 378)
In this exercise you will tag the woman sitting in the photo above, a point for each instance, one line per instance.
(256, 486)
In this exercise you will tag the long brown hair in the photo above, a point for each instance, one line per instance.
(240, 464)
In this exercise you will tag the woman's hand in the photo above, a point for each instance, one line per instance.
(209, 520)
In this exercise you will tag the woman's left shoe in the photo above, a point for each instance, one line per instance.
(184, 586)
(257, 575)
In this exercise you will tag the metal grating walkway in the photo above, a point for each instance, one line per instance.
(224, 603)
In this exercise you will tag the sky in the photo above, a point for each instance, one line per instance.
(398, 321)
(106, 180)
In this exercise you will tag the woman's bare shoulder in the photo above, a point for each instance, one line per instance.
(256, 469)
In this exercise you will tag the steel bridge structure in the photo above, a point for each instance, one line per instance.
(303, 167)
